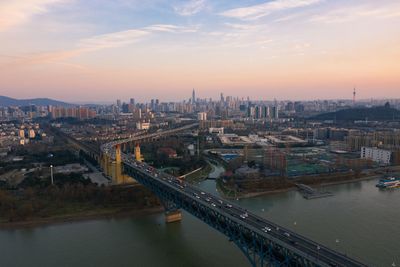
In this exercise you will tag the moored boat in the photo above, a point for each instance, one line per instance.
(389, 182)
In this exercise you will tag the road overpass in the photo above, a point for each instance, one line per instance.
(263, 242)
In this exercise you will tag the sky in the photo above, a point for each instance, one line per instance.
(101, 50)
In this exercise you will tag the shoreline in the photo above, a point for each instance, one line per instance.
(123, 213)
(79, 217)
(288, 189)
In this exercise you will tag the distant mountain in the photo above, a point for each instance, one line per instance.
(8, 101)
(382, 113)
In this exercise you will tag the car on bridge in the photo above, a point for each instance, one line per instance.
(266, 229)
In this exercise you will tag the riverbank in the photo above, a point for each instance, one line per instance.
(106, 213)
(291, 188)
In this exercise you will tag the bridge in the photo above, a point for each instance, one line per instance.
(263, 242)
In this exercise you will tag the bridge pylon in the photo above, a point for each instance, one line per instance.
(117, 166)
(106, 164)
(138, 155)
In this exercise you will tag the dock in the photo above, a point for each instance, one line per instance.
(310, 193)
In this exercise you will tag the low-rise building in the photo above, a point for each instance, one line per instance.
(216, 130)
(143, 125)
(380, 156)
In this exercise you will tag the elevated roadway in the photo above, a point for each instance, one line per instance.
(263, 242)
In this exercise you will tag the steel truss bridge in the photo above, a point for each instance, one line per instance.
(264, 243)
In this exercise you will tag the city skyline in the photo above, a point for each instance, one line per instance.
(281, 49)
(189, 99)
(199, 133)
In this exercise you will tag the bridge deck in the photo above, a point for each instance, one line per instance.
(305, 247)
(255, 236)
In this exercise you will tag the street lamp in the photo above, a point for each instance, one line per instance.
(337, 244)
(51, 175)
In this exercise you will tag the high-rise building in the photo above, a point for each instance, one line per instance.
(275, 112)
(193, 97)
(32, 133)
(265, 112)
(202, 116)
(137, 113)
(132, 101)
(21, 133)
(125, 108)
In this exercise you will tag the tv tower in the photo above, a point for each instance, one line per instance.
(354, 96)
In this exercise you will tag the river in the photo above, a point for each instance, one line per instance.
(359, 220)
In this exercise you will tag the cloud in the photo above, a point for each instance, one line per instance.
(15, 12)
(100, 42)
(110, 40)
(94, 43)
(245, 27)
(358, 12)
(171, 28)
(191, 8)
(288, 18)
(261, 10)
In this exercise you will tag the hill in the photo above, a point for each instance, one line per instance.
(8, 101)
(383, 113)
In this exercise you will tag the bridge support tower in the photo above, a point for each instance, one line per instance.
(107, 165)
(138, 155)
(117, 173)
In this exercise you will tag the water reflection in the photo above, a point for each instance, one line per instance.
(359, 220)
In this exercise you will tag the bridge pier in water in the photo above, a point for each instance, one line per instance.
(172, 211)
(173, 216)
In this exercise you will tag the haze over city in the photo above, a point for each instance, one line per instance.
(100, 50)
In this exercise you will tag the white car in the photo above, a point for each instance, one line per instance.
(266, 229)
(213, 204)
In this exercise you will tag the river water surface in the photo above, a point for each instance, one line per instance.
(359, 220)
